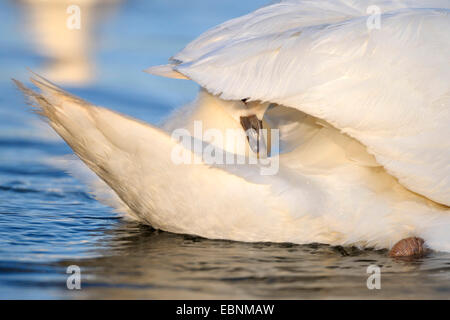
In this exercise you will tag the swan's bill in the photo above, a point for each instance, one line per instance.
(253, 129)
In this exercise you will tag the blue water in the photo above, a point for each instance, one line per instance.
(49, 221)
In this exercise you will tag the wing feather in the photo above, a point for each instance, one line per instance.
(388, 88)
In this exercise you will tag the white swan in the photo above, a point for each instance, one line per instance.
(364, 120)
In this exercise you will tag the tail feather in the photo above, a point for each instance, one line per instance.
(33, 99)
(135, 160)
(98, 136)
(167, 71)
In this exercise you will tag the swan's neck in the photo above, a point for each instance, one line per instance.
(216, 120)
(238, 109)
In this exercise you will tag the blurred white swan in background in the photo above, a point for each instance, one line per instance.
(69, 51)
(364, 120)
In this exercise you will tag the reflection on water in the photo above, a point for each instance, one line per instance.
(137, 262)
(132, 261)
(67, 46)
(48, 221)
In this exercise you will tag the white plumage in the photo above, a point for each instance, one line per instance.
(364, 116)
(387, 87)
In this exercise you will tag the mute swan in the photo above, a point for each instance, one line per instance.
(67, 49)
(363, 117)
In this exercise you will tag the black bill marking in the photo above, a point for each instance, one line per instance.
(253, 128)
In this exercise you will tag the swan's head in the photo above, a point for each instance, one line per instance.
(250, 114)
(247, 113)
(222, 115)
